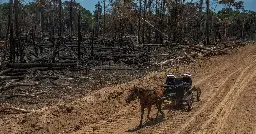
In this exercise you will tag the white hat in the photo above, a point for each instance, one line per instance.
(170, 75)
(187, 74)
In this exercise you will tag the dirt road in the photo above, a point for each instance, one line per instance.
(227, 105)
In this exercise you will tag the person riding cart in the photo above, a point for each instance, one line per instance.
(169, 83)
(187, 81)
(178, 91)
(170, 79)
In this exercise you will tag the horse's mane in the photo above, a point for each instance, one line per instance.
(142, 90)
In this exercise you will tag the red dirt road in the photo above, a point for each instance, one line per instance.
(228, 104)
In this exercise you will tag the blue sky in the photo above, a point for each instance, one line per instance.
(90, 4)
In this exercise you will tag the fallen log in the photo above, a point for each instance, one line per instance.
(14, 110)
(18, 70)
(16, 73)
(46, 68)
(46, 77)
(3, 64)
(68, 61)
(11, 77)
(112, 68)
(153, 45)
(163, 63)
(189, 56)
(42, 58)
(17, 84)
(5, 71)
(32, 65)
(9, 96)
(67, 58)
(74, 54)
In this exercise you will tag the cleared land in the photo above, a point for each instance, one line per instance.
(227, 104)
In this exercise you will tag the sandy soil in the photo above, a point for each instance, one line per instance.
(227, 105)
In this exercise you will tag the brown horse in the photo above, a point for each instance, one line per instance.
(147, 99)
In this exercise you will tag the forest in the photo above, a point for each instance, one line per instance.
(26, 27)
(55, 52)
(48, 44)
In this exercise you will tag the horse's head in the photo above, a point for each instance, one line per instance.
(133, 94)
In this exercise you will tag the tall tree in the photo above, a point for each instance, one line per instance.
(207, 22)
(10, 25)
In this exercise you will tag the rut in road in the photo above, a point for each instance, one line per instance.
(190, 117)
(182, 122)
(245, 75)
(219, 85)
(224, 108)
(185, 123)
(202, 114)
(122, 125)
(222, 80)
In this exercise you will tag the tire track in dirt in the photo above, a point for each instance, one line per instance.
(179, 117)
(215, 85)
(222, 105)
(108, 127)
(192, 116)
(217, 72)
(121, 125)
(194, 127)
(226, 108)
(112, 127)
(203, 95)
(207, 104)
(223, 120)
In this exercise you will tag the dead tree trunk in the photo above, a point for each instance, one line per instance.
(60, 18)
(174, 19)
(17, 31)
(53, 18)
(201, 5)
(79, 36)
(139, 15)
(144, 17)
(104, 19)
(12, 45)
(92, 41)
(207, 22)
(70, 17)
(162, 16)
(32, 65)
(59, 40)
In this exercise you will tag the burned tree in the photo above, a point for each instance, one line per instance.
(119, 31)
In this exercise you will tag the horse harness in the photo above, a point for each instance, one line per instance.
(151, 100)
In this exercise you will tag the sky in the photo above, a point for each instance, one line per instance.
(90, 4)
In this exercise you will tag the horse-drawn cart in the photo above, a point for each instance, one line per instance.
(180, 96)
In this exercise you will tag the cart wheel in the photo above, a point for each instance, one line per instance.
(189, 104)
(198, 94)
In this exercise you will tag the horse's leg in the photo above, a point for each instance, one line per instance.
(157, 106)
(141, 115)
(149, 110)
(160, 107)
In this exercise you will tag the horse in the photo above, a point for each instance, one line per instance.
(147, 99)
